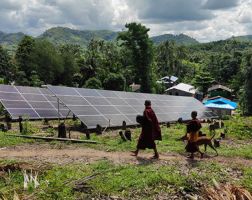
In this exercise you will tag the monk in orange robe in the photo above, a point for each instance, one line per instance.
(193, 128)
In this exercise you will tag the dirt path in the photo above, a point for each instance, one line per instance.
(70, 154)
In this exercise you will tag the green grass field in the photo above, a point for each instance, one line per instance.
(104, 179)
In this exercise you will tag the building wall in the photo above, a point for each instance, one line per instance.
(219, 92)
(176, 92)
(221, 112)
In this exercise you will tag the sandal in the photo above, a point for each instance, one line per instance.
(155, 157)
(201, 155)
(134, 153)
(191, 157)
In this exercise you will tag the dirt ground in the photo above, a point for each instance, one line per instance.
(47, 153)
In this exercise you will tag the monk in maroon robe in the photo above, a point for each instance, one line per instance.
(150, 131)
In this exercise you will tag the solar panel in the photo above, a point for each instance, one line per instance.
(30, 102)
(111, 108)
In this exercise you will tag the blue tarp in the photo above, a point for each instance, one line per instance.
(220, 103)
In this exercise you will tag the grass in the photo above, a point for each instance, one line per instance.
(12, 141)
(122, 180)
(243, 151)
(127, 181)
(237, 144)
(144, 181)
(247, 178)
(240, 127)
(11, 181)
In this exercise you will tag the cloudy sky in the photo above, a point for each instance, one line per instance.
(205, 20)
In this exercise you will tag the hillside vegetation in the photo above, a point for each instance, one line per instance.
(179, 39)
(244, 38)
(10, 38)
(113, 61)
(62, 35)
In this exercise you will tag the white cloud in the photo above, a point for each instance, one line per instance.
(123, 13)
(225, 24)
(245, 13)
(205, 20)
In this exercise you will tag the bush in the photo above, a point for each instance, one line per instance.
(28, 129)
(93, 83)
(114, 82)
(226, 117)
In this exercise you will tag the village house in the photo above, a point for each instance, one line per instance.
(220, 90)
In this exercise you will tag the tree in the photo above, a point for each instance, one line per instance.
(91, 60)
(190, 69)
(69, 55)
(246, 95)
(24, 55)
(169, 58)
(203, 81)
(86, 70)
(93, 83)
(166, 58)
(110, 60)
(35, 80)
(6, 67)
(47, 62)
(137, 40)
(77, 80)
(127, 69)
(99, 59)
(114, 82)
(21, 78)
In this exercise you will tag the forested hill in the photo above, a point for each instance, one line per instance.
(62, 35)
(8, 39)
(222, 46)
(179, 39)
(244, 38)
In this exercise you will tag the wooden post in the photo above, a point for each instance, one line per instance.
(62, 130)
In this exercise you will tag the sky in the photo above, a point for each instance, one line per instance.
(204, 20)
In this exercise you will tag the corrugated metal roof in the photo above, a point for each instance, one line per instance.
(183, 87)
(215, 87)
(168, 79)
(174, 78)
(135, 87)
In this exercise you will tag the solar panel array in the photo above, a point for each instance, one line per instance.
(31, 102)
(111, 108)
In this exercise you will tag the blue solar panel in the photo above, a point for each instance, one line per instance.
(30, 102)
(111, 108)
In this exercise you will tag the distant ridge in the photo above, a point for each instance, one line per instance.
(242, 38)
(8, 39)
(62, 35)
(179, 39)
